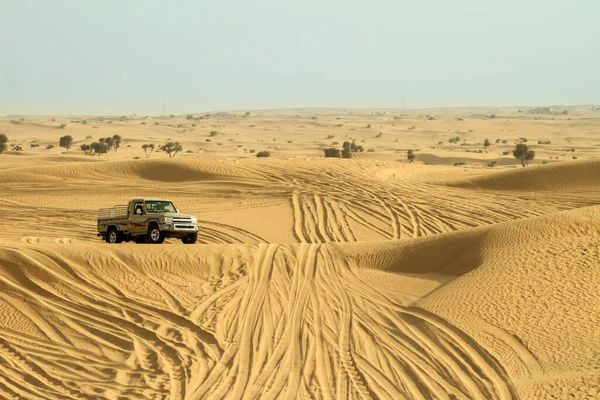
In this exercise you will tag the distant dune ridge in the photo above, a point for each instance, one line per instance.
(312, 278)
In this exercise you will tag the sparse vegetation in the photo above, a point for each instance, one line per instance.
(522, 152)
(17, 148)
(412, 128)
(410, 155)
(368, 125)
(330, 136)
(189, 116)
(171, 148)
(66, 142)
(544, 142)
(33, 145)
(492, 164)
(486, 144)
(213, 133)
(148, 149)
(116, 142)
(457, 164)
(50, 146)
(454, 139)
(63, 126)
(263, 153)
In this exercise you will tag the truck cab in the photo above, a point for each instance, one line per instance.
(146, 220)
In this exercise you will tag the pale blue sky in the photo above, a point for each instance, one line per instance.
(124, 57)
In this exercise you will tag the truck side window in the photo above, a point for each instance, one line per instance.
(139, 209)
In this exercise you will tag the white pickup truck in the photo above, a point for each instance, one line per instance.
(146, 220)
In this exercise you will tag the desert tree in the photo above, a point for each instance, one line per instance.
(109, 142)
(410, 155)
(486, 144)
(116, 142)
(171, 148)
(332, 152)
(522, 152)
(3, 141)
(148, 149)
(86, 148)
(99, 148)
(66, 142)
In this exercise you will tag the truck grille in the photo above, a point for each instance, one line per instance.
(182, 220)
(184, 227)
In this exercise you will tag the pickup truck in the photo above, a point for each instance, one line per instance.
(146, 220)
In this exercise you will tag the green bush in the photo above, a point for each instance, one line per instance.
(263, 154)
(213, 133)
(332, 152)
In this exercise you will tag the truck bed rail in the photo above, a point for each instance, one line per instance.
(119, 211)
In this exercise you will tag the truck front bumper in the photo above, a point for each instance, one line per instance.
(179, 228)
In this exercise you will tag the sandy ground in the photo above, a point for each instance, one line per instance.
(312, 278)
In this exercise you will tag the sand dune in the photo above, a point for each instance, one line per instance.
(559, 176)
(312, 278)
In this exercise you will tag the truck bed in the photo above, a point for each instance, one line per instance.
(116, 212)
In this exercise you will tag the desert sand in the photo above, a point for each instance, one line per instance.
(318, 278)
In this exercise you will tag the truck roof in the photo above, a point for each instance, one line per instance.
(146, 198)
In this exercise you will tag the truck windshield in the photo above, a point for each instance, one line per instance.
(158, 206)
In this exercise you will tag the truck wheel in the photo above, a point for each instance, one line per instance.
(190, 239)
(113, 236)
(155, 235)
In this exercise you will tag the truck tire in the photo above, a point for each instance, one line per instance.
(155, 235)
(113, 236)
(190, 239)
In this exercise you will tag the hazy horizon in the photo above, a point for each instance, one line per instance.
(131, 57)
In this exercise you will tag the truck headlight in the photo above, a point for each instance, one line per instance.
(194, 220)
(166, 220)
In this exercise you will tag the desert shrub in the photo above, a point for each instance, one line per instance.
(34, 145)
(492, 164)
(335, 143)
(148, 149)
(410, 155)
(251, 151)
(219, 144)
(486, 144)
(339, 125)
(574, 157)
(493, 116)
(371, 150)
(332, 152)
(505, 153)
(412, 128)
(430, 118)
(544, 142)
(263, 154)
(523, 140)
(247, 114)
(156, 123)
(498, 140)
(189, 116)
(88, 137)
(84, 122)
(454, 139)
(189, 151)
(171, 148)
(313, 117)
(346, 153)
(545, 162)
(368, 125)
(456, 164)
(380, 134)
(66, 142)
(207, 140)
(459, 119)
(17, 148)
(50, 146)
(330, 136)
(240, 145)
(63, 126)
(213, 133)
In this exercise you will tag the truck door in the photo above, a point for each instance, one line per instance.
(138, 218)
